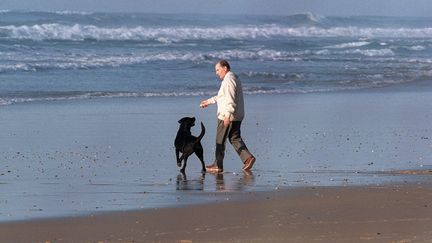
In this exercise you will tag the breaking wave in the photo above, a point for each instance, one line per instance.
(94, 61)
(78, 32)
(349, 45)
(88, 61)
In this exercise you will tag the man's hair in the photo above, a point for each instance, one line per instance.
(224, 63)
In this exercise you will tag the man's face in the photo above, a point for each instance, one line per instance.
(221, 71)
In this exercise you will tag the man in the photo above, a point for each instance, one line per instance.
(230, 113)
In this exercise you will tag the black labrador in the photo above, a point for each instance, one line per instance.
(187, 144)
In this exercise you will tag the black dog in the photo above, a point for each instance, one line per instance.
(187, 144)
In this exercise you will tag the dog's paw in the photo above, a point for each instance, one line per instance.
(179, 164)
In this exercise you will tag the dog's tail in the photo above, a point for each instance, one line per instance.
(201, 134)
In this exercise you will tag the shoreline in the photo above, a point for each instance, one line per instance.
(389, 213)
(415, 86)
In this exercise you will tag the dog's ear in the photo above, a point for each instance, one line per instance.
(181, 120)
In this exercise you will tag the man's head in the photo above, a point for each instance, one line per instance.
(222, 68)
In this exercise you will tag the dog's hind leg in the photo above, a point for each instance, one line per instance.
(200, 154)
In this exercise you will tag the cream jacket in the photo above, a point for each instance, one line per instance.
(229, 98)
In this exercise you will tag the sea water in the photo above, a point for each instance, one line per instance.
(48, 56)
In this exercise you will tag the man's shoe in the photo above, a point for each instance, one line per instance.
(213, 168)
(249, 163)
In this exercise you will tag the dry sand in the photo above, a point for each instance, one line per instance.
(389, 213)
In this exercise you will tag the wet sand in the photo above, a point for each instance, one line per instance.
(392, 213)
(328, 169)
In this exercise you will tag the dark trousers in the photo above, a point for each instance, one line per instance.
(232, 132)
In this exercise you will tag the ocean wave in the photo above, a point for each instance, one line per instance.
(58, 61)
(89, 61)
(61, 12)
(79, 32)
(272, 76)
(416, 60)
(251, 74)
(305, 18)
(372, 52)
(41, 61)
(92, 61)
(416, 48)
(70, 12)
(349, 45)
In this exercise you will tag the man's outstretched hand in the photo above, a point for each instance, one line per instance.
(204, 104)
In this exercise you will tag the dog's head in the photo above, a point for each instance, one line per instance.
(187, 122)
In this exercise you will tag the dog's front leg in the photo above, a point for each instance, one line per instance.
(177, 157)
(184, 164)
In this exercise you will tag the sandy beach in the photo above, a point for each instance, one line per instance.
(336, 167)
(397, 213)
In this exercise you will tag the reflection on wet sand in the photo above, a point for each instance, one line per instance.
(216, 181)
(184, 184)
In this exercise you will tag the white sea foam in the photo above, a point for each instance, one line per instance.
(70, 12)
(267, 74)
(371, 52)
(416, 48)
(79, 32)
(4, 102)
(349, 45)
(418, 60)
